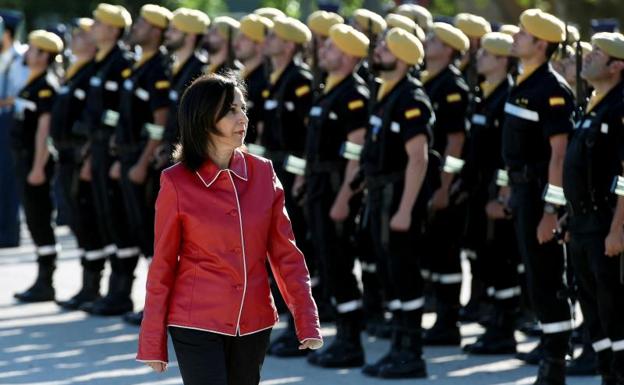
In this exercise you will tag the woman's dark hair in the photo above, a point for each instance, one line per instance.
(203, 104)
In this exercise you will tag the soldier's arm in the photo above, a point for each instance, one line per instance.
(160, 119)
(351, 169)
(454, 146)
(558, 145)
(41, 142)
(415, 171)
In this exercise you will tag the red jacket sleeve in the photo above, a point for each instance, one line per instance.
(161, 275)
(290, 270)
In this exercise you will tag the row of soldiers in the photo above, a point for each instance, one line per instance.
(404, 142)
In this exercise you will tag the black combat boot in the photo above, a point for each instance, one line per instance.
(407, 362)
(133, 318)
(346, 349)
(287, 344)
(551, 372)
(117, 301)
(90, 291)
(532, 357)
(584, 364)
(395, 347)
(445, 331)
(498, 337)
(42, 290)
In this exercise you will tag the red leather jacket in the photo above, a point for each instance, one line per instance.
(214, 231)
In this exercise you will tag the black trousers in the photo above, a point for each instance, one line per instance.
(397, 254)
(332, 241)
(37, 203)
(545, 265)
(599, 292)
(207, 358)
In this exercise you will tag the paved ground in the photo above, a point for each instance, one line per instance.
(42, 345)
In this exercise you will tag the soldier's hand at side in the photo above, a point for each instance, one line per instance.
(158, 366)
(401, 221)
(614, 243)
(115, 171)
(36, 177)
(298, 184)
(339, 210)
(546, 228)
(495, 210)
(85, 170)
(137, 174)
(440, 199)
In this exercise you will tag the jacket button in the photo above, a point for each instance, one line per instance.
(237, 250)
(233, 213)
(238, 287)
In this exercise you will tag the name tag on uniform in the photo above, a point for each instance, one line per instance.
(95, 81)
(270, 104)
(587, 124)
(110, 118)
(127, 85)
(290, 106)
(604, 128)
(173, 95)
(316, 111)
(21, 105)
(479, 119)
(63, 90)
(111, 86)
(80, 94)
(395, 127)
(333, 116)
(375, 121)
(142, 94)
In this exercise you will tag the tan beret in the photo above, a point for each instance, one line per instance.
(451, 36)
(404, 22)
(573, 34)
(363, 17)
(290, 29)
(349, 40)
(472, 25)
(543, 25)
(269, 12)
(156, 15)
(611, 43)
(497, 43)
(405, 46)
(586, 47)
(418, 13)
(321, 21)
(190, 20)
(509, 29)
(225, 24)
(114, 15)
(255, 27)
(84, 23)
(45, 41)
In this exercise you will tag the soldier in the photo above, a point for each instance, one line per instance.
(100, 115)
(418, 13)
(372, 25)
(538, 119)
(34, 165)
(218, 43)
(143, 109)
(182, 39)
(394, 160)
(338, 115)
(494, 242)
(70, 143)
(248, 47)
(448, 92)
(287, 102)
(319, 23)
(269, 12)
(596, 218)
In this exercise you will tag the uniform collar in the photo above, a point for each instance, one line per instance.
(209, 172)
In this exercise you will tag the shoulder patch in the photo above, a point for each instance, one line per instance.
(162, 84)
(126, 72)
(412, 113)
(556, 101)
(44, 93)
(452, 98)
(303, 90)
(355, 104)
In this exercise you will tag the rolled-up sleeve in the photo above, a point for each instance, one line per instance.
(290, 270)
(161, 275)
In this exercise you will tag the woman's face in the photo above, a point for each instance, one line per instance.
(233, 126)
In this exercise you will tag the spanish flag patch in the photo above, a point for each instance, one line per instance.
(45, 93)
(303, 90)
(556, 101)
(265, 93)
(412, 113)
(355, 104)
(162, 84)
(452, 98)
(125, 73)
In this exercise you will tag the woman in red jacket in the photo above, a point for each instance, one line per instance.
(219, 216)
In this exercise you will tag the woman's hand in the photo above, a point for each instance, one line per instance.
(157, 366)
(311, 344)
